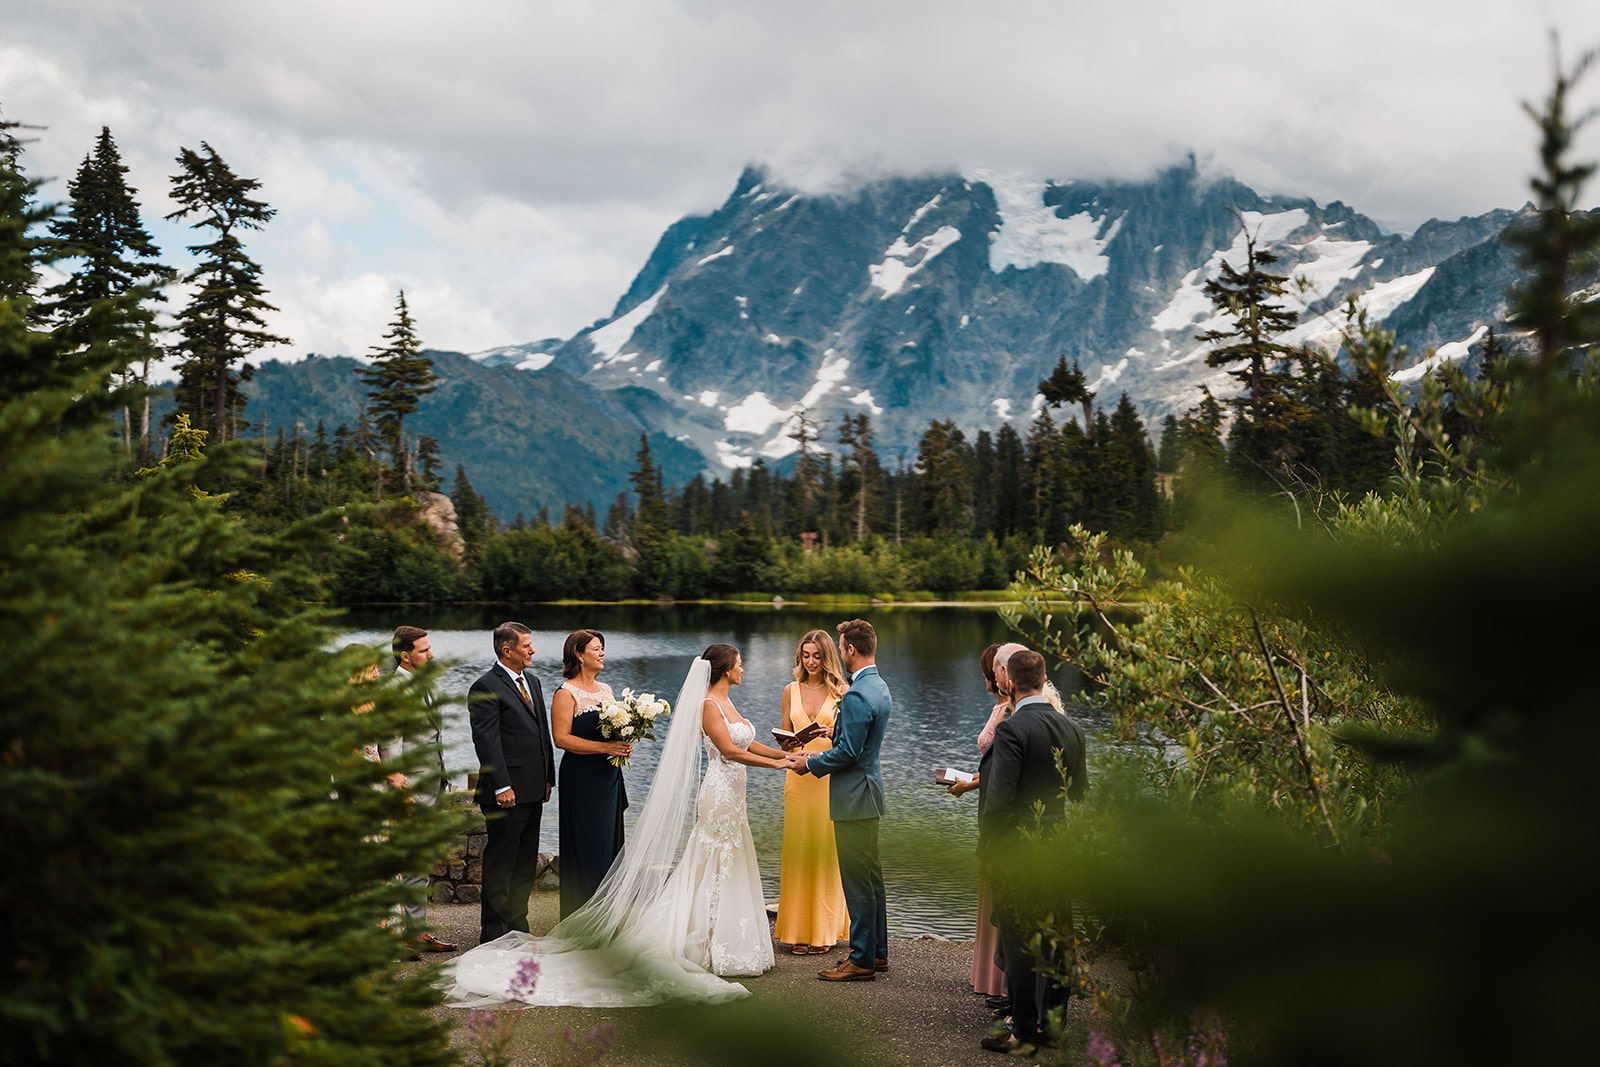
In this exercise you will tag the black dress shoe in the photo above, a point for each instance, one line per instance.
(996, 1003)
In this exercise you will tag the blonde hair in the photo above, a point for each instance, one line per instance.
(832, 669)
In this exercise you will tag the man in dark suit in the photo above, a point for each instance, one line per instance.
(412, 653)
(855, 801)
(511, 733)
(1020, 770)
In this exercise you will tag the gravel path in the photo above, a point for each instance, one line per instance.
(922, 1011)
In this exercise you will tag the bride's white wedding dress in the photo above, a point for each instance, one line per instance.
(681, 907)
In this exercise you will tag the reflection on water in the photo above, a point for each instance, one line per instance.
(927, 655)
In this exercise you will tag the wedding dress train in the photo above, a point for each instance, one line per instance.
(681, 907)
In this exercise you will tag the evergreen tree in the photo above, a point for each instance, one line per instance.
(223, 320)
(1053, 480)
(1561, 245)
(983, 472)
(18, 215)
(1170, 451)
(651, 532)
(860, 476)
(807, 472)
(399, 376)
(944, 482)
(176, 884)
(114, 270)
(1069, 387)
(1011, 496)
(425, 464)
(28, 367)
(1267, 411)
(473, 517)
(1133, 484)
(113, 277)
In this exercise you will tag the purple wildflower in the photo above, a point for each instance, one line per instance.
(524, 980)
(1101, 1049)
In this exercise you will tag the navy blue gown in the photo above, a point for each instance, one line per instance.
(593, 799)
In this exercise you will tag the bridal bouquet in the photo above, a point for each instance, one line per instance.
(632, 718)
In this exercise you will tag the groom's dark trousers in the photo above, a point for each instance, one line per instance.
(862, 874)
(855, 802)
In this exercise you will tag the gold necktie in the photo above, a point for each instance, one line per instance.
(522, 687)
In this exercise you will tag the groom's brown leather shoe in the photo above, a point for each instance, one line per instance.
(880, 964)
(847, 972)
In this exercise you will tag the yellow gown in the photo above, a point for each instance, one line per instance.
(811, 908)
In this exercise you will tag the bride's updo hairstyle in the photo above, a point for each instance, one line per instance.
(722, 658)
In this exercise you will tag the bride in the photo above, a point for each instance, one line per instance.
(681, 909)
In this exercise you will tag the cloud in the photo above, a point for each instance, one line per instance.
(511, 164)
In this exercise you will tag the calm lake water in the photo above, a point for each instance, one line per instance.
(927, 655)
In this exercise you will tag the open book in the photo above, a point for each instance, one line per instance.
(950, 776)
(788, 739)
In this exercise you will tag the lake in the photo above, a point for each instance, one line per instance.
(927, 655)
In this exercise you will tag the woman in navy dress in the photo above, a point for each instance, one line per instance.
(592, 795)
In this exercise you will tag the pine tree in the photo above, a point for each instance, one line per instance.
(807, 472)
(1011, 494)
(651, 532)
(944, 482)
(1261, 437)
(861, 475)
(399, 377)
(1562, 244)
(1069, 387)
(115, 272)
(1170, 451)
(223, 320)
(176, 884)
(19, 251)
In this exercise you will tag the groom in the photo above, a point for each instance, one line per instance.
(855, 800)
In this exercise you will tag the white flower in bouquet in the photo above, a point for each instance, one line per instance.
(631, 718)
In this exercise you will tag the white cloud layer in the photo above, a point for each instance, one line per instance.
(511, 164)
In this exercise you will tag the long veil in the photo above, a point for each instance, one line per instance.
(622, 947)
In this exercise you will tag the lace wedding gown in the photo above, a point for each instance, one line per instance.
(656, 930)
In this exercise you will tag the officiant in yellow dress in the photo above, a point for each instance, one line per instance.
(811, 911)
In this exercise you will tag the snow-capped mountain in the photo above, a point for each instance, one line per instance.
(951, 296)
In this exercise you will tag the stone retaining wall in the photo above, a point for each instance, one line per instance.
(458, 879)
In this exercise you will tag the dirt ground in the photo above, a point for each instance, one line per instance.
(922, 1011)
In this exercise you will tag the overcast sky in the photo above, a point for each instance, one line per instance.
(510, 163)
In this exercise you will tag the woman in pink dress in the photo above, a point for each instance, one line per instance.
(988, 978)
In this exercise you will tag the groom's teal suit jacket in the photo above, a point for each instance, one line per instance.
(855, 784)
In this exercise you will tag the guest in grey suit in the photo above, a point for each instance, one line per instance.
(1020, 772)
(511, 733)
(412, 652)
(855, 801)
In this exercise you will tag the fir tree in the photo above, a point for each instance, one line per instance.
(1561, 244)
(19, 251)
(223, 320)
(398, 378)
(944, 482)
(1170, 451)
(860, 473)
(177, 886)
(1069, 387)
(115, 265)
(1261, 435)
(1011, 496)
(651, 532)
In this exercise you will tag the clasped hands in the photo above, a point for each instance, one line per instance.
(797, 760)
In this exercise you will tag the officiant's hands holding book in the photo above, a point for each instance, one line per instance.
(789, 740)
(956, 782)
